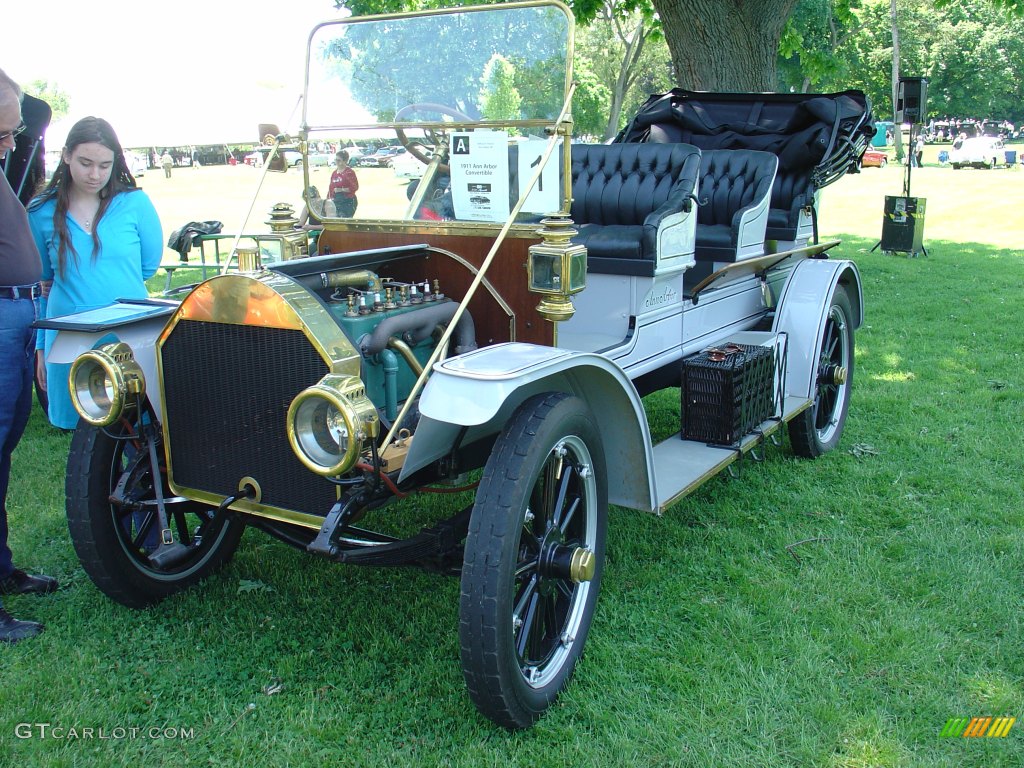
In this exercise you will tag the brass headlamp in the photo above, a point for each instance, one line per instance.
(104, 383)
(329, 423)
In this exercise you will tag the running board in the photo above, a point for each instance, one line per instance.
(682, 466)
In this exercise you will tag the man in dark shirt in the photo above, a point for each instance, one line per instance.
(20, 271)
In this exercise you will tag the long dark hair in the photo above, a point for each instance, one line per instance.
(88, 130)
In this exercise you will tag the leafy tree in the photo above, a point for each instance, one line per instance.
(52, 94)
(811, 40)
(735, 45)
(389, 71)
(976, 64)
(499, 99)
(625, 45)
(714, 45)
(591, 101)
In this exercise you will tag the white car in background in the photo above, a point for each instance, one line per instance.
(136, 163)
(978, 152)
(407, 166)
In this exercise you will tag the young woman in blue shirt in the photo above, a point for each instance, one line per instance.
(99, 237)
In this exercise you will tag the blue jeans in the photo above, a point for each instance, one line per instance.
(17, 360)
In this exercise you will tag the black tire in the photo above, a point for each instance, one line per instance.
(882, 163)
(102, 532)
(818, 429)
(522, 622)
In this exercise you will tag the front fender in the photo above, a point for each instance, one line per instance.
(137, 325)
(803, 307)
(475, 395)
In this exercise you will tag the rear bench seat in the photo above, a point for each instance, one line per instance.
(817, 138)
(623, 198)
(735, 192)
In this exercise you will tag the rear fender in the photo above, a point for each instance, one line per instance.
(472, 396)
(803, 308)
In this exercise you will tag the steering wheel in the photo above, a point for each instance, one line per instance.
(435, 137)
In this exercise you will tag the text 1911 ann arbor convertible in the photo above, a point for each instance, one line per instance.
(497, 321)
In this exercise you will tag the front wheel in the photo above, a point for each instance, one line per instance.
(817, 430)
(533, 560)
(114, 540)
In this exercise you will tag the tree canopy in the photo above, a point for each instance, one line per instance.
(970, 50)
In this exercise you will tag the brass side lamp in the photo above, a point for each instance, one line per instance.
(557, 268)
(294, 242)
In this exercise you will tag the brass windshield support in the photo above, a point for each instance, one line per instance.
(524, 192)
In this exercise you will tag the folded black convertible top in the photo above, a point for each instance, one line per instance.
(822, 135)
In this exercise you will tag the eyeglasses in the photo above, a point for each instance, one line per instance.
(15, 133)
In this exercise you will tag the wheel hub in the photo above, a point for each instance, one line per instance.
(570, 563)
(832, 375)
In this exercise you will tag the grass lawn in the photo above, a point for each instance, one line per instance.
(812, 613)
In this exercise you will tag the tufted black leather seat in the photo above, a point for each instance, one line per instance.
(817, 138)
(792, 192)
(622, 193)
(734, 194)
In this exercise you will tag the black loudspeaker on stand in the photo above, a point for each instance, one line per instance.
(903, 219)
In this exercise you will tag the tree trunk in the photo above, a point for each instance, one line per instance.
(724, 45)
(634, 46)
(897, 132)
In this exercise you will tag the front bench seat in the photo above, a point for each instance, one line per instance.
(629, 200)
(734, 195)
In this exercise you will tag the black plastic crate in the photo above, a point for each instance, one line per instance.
(727, 392)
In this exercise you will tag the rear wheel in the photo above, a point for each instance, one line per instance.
(114, 540)
(533, 559)
(817, 430)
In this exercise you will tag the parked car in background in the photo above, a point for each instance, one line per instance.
(354, 153)
(977, 152)
(321, 159)
(408, 166)
(874, 159)
(382, 158)
(292, 157)
(136, 162)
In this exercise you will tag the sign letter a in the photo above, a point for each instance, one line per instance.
(460, 145)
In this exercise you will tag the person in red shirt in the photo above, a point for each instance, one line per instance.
(343, 187)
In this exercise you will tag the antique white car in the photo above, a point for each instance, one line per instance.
(496, 331)
(977, 152)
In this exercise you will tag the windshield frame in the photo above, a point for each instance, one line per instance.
(406, 220)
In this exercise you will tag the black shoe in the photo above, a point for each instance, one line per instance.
(20, 583)
(12, 630)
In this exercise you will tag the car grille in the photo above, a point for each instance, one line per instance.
(227, 389)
